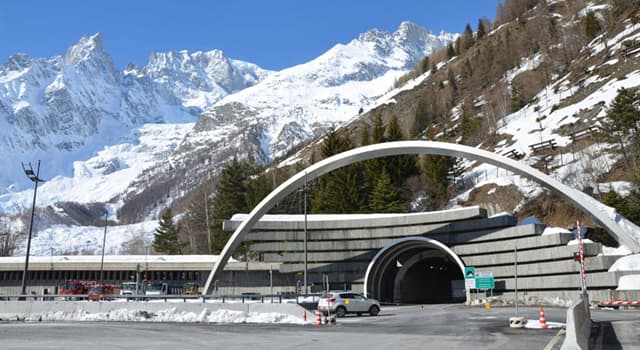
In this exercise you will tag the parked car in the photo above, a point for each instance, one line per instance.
(342, 303)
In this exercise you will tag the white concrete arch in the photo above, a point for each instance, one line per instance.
(577, 198)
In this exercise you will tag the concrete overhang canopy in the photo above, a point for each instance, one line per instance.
(577, 198)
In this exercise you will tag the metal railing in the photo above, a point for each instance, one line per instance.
(223, 298)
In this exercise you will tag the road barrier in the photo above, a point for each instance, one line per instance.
(578, 325)
(618, 303)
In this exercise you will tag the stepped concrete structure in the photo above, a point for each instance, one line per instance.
(420, 257)
(623, 230)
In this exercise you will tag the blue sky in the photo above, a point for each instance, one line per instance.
(273, 34)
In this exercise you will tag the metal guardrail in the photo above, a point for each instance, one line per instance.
(243, 298)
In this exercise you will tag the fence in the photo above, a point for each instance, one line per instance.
(224, 298)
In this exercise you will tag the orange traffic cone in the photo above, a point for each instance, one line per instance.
(318, 318)
(543, 322)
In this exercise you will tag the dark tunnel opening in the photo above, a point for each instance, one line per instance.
(422, 275)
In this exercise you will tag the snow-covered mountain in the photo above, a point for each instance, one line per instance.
(301, 102)
(67, 108)
(123, 137)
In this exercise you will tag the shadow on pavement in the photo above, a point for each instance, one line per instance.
(603, 336)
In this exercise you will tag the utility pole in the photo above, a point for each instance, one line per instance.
(104, 240)
(35, 178)
(305, 234)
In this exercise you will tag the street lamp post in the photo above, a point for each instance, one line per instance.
(34, 176)
(305, 234)
(104, 239)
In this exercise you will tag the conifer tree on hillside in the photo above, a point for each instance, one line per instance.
(435, 170)
(451, 52)
(230, 198)
(385, 196)
(166, 236)
(470, 125)
(398, 167)
(591, 25)
(340, 191)
(467, 38)
(622, 123)
(482, 31)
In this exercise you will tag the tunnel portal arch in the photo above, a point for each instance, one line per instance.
(415, 270)
(577, 198)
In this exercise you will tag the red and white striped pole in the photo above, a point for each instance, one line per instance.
(583, 274)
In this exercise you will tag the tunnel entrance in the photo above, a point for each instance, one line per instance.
(416, 271)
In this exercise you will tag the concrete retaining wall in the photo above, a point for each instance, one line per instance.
(578, 326)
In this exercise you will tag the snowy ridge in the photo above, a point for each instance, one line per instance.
(299, 102)
(66, 108)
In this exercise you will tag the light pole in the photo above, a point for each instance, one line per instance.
(35, 178)
(104, 239)
(305, 234)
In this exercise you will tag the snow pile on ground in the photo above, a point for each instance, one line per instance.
(627, 263)
(629, 282)
(527, 300)
(535, 324)
(169, 315)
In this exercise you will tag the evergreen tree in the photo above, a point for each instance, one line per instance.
(482, 31)
(342, 190)
(424, 65)
(451, 52)
(230, 198)
(591, 25)
(470, 125)
(620, 124)
(378, 130)
(435, 170)
(385, 198)
(467, 37)
(398, 167)
(517, 100)
(166, 236)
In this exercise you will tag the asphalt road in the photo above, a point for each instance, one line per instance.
(412, 327)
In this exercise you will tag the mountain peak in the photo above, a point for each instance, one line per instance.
(18, 61)
(411, 32)
(85, 48)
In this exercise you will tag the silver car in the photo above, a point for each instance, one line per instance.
(342, 303)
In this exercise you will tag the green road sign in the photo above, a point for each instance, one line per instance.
(469, 273)
(485, 283)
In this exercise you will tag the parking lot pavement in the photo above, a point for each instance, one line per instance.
(412, 327)
(615, 329)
